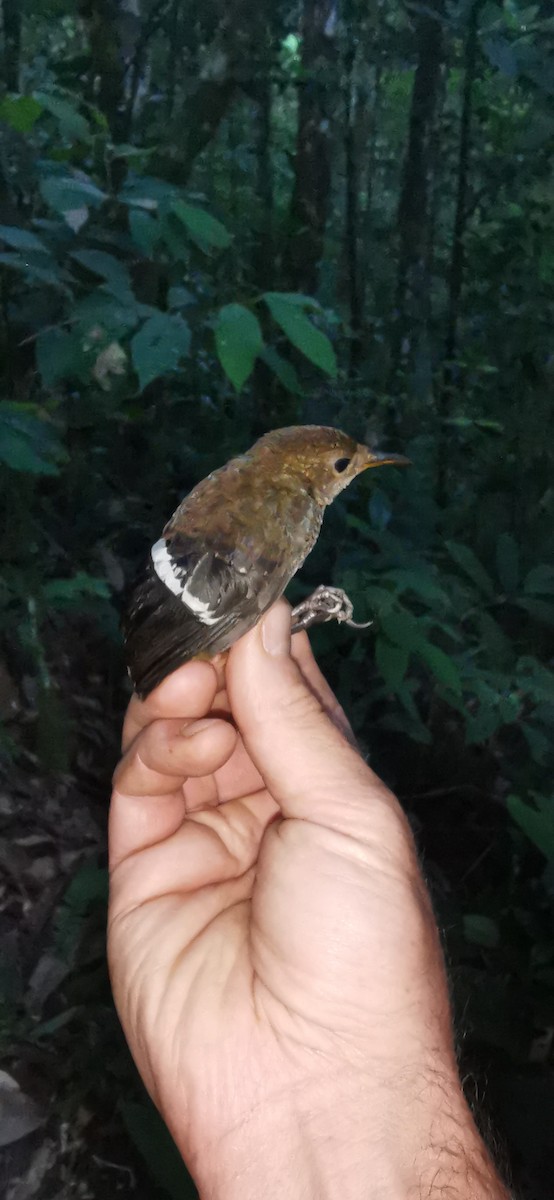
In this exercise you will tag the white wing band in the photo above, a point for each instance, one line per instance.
(180, 584)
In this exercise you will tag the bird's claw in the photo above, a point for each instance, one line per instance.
(325, 604)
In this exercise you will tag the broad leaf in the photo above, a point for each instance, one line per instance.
(67, 194)
(507, 562)
(109, 268)
(537, 823)
(59, 355)
(238, 340)
(480, 930)
(205, 230)
(72, 125)
(159, 346)
(20, 112)
(33, 270)
(285, 372)
(311, 342)
(401, 628)
(22, 239)
(540, 610)
(145, 230)
(470, 565)
(540, 580)
(442, 666)
(27, 442)
(392, 662)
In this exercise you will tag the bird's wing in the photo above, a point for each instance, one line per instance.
(191, 600)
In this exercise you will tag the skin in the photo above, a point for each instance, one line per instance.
(273, 952)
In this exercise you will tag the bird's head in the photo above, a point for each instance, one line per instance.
(324, 460)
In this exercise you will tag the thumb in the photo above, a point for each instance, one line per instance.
(305, 761)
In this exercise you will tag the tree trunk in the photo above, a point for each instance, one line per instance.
(456, 274)
(113, 30)
(263, 255)
(412, 286)
(312, 183)
(11, 43)
(236, 59)
(460, 219)
(352, 198)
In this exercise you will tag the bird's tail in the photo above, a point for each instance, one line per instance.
(158, 636)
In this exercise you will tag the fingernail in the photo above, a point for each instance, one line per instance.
(276, 630)
(195, 727)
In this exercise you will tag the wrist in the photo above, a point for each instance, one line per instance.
(408, 1137)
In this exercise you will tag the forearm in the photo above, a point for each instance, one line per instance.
(406, 1139)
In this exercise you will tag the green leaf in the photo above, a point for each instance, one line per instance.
(109, 268)
(392, 662)
(238, 340)
(145, 230)
(420, 582)
(297, 299)
(507, 562)
(67, 193)
(20, 112)
(311, 342)
(28, 443)
(540, 580)
(481, 725)
(72, 125)
(480, 930)
(102, 308)
(442, 666)
(69, 593)
(539, 744)
(540, 610)
(158, 346)
(88, 889)
(22, 239)
(537, 823)
(33, 270)
(58, 356)
(470, 565)
(401, 628)
(204, 229)
(285, 372)
(154, 1142)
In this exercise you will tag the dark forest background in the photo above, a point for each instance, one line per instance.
(216, 219)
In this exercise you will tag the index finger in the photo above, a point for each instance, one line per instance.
(187, 692)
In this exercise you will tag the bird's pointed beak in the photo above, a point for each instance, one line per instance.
(373, 459)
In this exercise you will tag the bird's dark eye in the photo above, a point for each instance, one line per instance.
(341, 464)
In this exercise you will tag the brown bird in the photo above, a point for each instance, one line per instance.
(233, 545)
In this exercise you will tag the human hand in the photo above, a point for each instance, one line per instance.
(274, 957)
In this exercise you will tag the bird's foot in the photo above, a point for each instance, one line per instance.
(325, 604)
